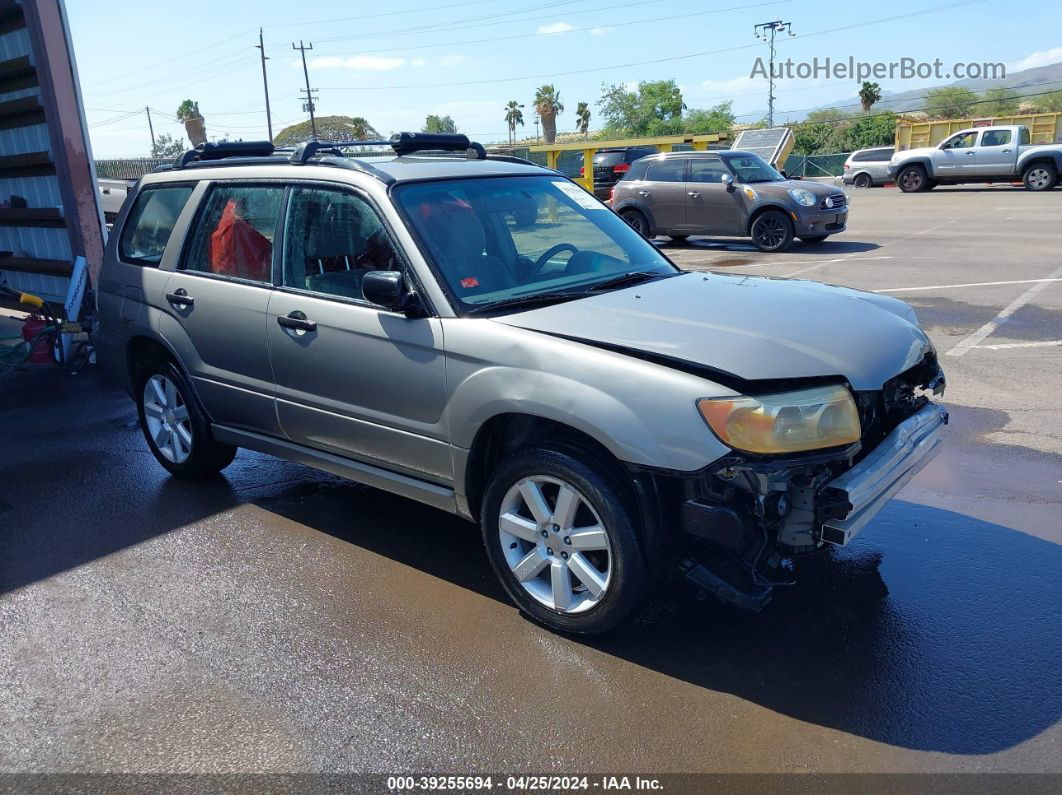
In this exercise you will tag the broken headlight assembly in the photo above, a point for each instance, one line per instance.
(786, 422)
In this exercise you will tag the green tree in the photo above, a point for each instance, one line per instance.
(329, 128)
(655, 108)
(878, 129)
(1048, 103)
(188, 109)
(999, 101)
(582, 118)
(869, 93)
(167, 146)
(514, 115)
(950, 102)
(547, 105)
(827, 116)
(708, 120)
(194, 123)
(439, 124)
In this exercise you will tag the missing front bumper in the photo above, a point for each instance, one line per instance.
(886, 469)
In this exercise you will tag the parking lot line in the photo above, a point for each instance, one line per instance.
(828, 262)
(971, 284)
(986, 330)
(1007, 345)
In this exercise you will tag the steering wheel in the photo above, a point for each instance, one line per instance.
(550, 253)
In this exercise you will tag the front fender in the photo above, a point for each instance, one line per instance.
(925, 162)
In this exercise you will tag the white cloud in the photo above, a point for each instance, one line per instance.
(556, 27)
(452, 60)
(599, 31)
(419, 62)
(359, 63)
(1041, 58)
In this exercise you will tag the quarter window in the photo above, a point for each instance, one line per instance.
(708, 170)
(150, 223)
(234, 235)
(995, 138)
(332, 239)
(670, 170)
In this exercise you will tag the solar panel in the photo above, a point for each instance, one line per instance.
(772, 144)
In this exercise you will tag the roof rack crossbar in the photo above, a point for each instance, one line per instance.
(224, 149)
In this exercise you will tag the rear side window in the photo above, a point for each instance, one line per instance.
(234, 233)
(1024, 137)
(995, 137)
(873, 155)
(672, 170)
(150, 223)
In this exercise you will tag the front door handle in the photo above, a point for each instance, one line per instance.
(180, 297)
(643, 193)
(693, 194)
(297, 320)
(971, 154)
(1006, 151)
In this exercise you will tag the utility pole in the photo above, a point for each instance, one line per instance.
(309, 94)
(536, 126)
(762, 31)
(147, 110)
(265, 82)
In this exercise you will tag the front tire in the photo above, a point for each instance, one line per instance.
(772, 231)
(560, 535)
(175, 425)
(637, 221)
(912, 179)
(1040, 176)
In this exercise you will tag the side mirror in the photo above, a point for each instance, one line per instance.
(782, 172)
(727, 180)
(387, 289)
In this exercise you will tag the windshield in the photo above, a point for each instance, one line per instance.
(499, 239)
(751, 168)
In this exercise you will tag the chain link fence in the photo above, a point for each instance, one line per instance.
(129, 168)
(815, 165)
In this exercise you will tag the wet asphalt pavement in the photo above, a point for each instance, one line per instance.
(280, 619)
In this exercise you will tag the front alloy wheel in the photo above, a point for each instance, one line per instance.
(772, 231)
(555, 544)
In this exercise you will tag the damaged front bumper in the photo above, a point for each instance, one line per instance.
(871, 483)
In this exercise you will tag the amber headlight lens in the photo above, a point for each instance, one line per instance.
(790, 422)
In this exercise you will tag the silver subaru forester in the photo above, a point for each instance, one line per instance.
(484, 336)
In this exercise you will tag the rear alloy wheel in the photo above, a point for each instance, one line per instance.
(560, 538)
(174, 425)
(912, 179)
(772, 231)
(862, 181)
(637, 221)
(1040, 176)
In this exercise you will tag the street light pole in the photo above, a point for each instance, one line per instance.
(265, 83)
(767, 31)
(151, 128)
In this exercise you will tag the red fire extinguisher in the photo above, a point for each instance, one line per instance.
(31, 328)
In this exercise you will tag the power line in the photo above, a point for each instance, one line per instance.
(668, 59)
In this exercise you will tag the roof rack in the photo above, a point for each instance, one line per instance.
(224, 149)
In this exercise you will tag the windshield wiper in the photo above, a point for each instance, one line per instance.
(523, 300)
(623, 280)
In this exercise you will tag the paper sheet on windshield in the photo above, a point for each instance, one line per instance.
(580, 196)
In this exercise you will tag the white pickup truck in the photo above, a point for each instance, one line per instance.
(979, 154)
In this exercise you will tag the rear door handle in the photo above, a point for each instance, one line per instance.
(297, 320)
(180, 297)
(693, 194)
(643, 193)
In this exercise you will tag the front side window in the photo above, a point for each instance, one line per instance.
(707, 170)
(752, 168)
(495, 239)
(150, 223)
(667, 170)
(963, 141)
(331, 240)
(995, 138)
(234, 233)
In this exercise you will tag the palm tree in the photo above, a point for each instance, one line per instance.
(868, 95)
(363, 131)
(582, 118)
(194, 125)
(548, 104)
(513, 116)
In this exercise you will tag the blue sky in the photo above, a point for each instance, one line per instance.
(395, 63)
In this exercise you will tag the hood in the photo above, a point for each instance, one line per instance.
(907, 154)
(820, 189)
(753, 328)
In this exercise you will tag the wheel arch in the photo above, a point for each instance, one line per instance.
(1037, 158)
(924, 162)
(631, 204)
(766, 208)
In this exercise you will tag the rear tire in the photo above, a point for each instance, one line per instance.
(637, 221)
(772, 231)
(862, 181)
(912, 179)
(1040, 176)
(587, 574)
(174, 424)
